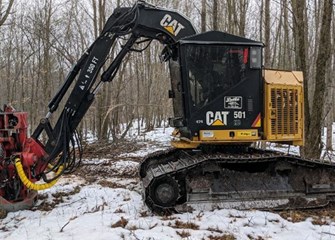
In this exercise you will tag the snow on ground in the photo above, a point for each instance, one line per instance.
(110, 207)
(159, 138)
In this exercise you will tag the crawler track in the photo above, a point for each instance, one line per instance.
(175, 179)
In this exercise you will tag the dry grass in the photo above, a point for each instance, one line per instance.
(126, 199)
(119, 210)
(121, 223)
(222, 237)
(110, 150)
(187, 225)
(105, 183)
(57, 199)
(200, 215)
(184, 234)
(65, 194)
(293, 216)
(144, 214)
(319, 221)
(236, 216)
(318, 218)
(214, 230)
(3, 214)
(318, 215)
(255, 238)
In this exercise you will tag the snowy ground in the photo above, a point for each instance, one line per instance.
(103, 201)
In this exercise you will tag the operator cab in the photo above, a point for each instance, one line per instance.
(217, 88)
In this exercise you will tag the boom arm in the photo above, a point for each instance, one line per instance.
(140, 21)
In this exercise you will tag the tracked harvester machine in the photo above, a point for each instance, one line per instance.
(223, 102)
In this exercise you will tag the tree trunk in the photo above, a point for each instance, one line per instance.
(215, 15)
(313, 144)
(300, 41)
(267, 54)
(203, 16)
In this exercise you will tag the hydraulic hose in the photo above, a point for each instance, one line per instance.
(29, 184)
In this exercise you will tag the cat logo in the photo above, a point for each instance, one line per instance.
(216, 119)
(171, 25)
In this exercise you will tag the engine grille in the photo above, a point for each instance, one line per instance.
(284, 111)
(284, 114)
(285, 105)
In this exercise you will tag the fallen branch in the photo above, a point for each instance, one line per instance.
(61, 230)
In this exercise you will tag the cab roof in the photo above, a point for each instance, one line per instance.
(217, 37)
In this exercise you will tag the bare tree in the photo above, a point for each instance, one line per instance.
(39, 46)
(313, 139)
(4, 14)
(267, 54)
(300, 41)
(215, 15)
(203, 15)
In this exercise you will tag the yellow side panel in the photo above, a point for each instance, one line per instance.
(284, 107)
(229, 135)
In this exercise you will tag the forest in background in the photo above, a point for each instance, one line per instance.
(42, 39)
